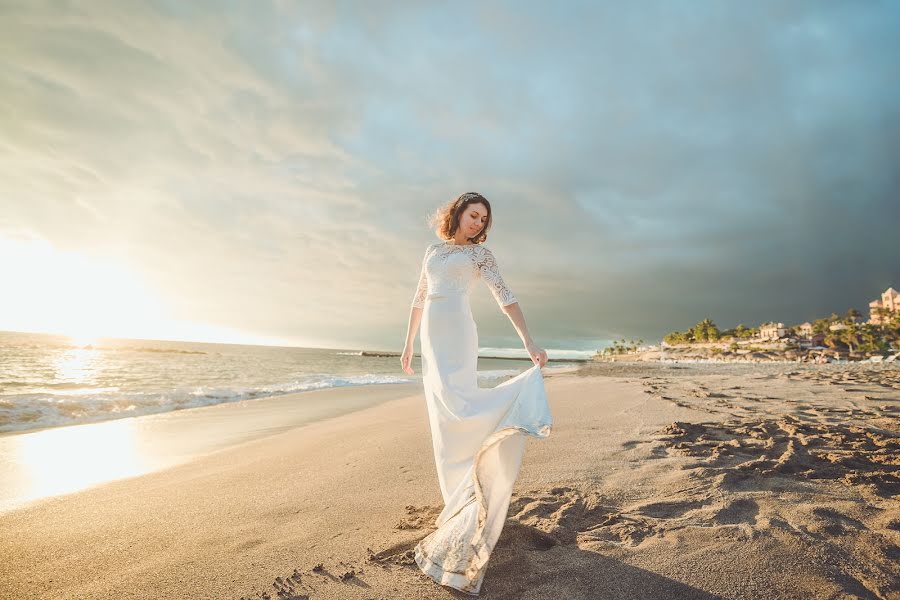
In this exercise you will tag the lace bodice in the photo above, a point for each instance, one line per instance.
(449, 269)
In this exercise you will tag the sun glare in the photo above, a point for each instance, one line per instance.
(80, 296)
(86, 298)
(61, 460)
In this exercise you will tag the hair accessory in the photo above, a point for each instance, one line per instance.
(462, 199)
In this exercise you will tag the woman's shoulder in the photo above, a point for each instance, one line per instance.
(482, 255)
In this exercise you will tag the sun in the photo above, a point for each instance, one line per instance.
(89, 295)
(81, 295)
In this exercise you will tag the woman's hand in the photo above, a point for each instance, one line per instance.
(538, 355)
(406, 360)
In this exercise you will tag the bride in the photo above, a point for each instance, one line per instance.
(478, 434)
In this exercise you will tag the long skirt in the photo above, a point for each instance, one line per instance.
(478, 436)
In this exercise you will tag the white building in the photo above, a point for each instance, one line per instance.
(806, 330)
(890, 301)
(772, 331)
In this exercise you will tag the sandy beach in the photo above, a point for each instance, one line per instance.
(658, 481)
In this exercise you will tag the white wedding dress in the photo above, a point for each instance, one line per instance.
(478, 434)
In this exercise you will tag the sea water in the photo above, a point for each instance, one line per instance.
(49, 380)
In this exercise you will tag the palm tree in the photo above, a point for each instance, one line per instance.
(849, 336)
(706, 330)
(821, 326)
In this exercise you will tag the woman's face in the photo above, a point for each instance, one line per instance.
(472, 219)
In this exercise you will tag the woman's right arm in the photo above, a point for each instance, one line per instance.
(415, 317)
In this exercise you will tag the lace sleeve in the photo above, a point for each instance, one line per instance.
(422, 287)
(490, 273)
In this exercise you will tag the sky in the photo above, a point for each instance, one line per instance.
(263, 172)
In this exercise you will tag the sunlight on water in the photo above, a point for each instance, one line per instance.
(67, 459)
(78, 366)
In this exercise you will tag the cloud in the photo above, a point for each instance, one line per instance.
(269, 167)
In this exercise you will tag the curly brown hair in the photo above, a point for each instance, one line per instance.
(445, 220)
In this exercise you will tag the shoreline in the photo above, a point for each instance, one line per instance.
(159, 441)
(289, 397)
(100, 412)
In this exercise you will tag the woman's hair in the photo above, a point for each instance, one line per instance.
(445, 220)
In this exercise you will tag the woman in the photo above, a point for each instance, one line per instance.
(478, 434)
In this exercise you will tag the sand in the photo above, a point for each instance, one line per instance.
(724, 481)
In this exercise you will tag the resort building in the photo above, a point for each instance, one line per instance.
(890, 301)
(772, 331)
(806, 330)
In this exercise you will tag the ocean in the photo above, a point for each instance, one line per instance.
(49, 381)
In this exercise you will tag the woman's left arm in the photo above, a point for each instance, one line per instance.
(514, 312)
(490, 273)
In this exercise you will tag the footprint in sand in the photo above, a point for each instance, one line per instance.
(741, 510)
(667, 510)
(573, 517)
(621, 529)
(834, 523)
(300, 585)
(743, 455)
(418, 517)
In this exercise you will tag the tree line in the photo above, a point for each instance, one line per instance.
(854, 336)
